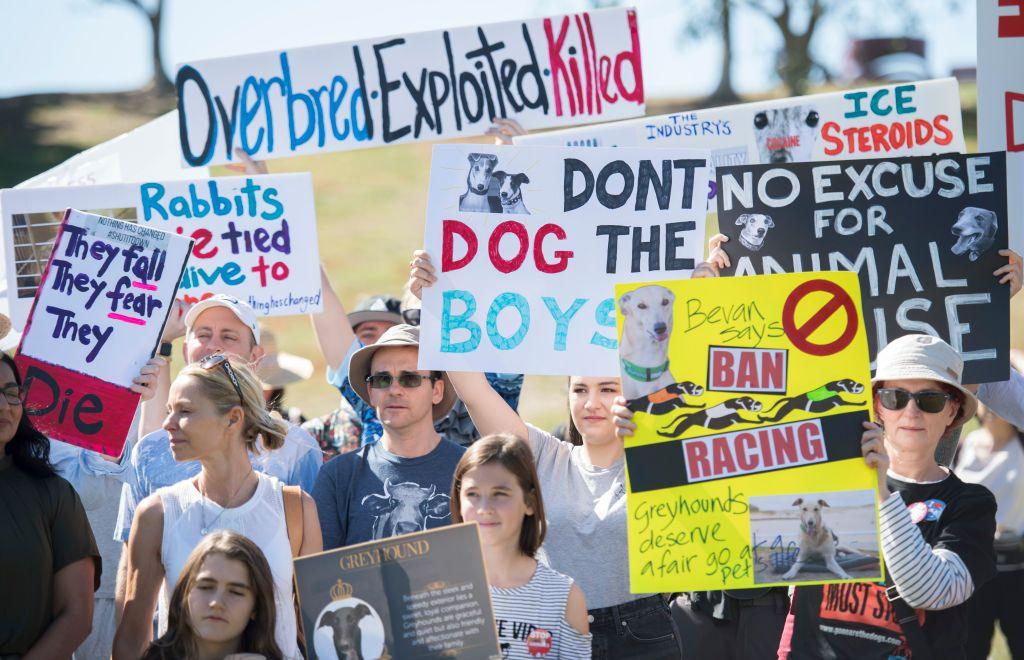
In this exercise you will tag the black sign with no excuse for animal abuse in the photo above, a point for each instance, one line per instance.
(923, 233)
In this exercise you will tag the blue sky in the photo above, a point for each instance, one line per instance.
(103, 45)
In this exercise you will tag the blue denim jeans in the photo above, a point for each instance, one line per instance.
(641, 629)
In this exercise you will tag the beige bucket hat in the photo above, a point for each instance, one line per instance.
(926, 357)
(277, 368)
(396, 335)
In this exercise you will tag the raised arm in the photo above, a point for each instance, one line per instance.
(490, 412)
(334, 335)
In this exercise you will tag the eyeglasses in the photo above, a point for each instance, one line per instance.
(410, 380)
(14, 395)
(411, 315)
(897, 398)
(221, 359)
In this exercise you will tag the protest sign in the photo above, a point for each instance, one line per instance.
(255, 236)
(544, 72)
(908, 119)
(97, 318)
(528, 241)
(749, 398)
(1001, 99)
(418, 596)
(924, 233)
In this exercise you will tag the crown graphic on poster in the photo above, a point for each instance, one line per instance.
(341, 590)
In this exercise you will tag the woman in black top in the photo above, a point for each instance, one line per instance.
(936, 531)
(50, 564)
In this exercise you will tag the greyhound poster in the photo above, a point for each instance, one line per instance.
(1001, 99)
(102, 301)
(418, 596)
(544, 72)
(529, 241)
(255, 236)
(924, 234)
(749, 397)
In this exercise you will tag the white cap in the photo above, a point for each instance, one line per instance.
(242, 310)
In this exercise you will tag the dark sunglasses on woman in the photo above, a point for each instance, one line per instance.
(897, 398)
(221, 360)
(410, 380)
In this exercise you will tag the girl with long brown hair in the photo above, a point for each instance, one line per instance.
(223, 605)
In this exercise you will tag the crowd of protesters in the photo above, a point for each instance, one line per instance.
(183, 546)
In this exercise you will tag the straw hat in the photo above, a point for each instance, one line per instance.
(396, 335)
(929, 358)
(278, 368)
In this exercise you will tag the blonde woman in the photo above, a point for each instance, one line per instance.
(215, 416)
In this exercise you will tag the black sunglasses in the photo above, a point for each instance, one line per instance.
(410, 380)
(897, 398)
(411, 316)
(221, 359)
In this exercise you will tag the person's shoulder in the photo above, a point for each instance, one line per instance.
(342, 464)
(973, 497)
(550, 575)
(300, 437)
(451, 448)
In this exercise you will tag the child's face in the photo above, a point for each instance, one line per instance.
(492, 497)
(221, 602)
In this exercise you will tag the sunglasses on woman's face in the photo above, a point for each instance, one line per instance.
(221, 360)
(410, 380)
(897, 398)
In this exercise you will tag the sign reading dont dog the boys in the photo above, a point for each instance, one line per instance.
(554, 71)
(749, 397)
(923, 233)
(422, 596)
(528, 242)
(254, 236)
(98, 316)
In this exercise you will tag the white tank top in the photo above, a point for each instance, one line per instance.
(261, 519)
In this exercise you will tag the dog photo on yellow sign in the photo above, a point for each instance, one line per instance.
(749, 395)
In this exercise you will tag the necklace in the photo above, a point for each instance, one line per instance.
(202, 508)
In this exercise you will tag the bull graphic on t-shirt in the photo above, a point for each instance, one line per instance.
(405, 508)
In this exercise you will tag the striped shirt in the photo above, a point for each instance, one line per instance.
(531, 619)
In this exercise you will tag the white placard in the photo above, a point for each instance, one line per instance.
(528, 243)
(255, 236)
(544, 72)
(1001, 99)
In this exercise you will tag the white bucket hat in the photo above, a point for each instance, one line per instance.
(929, 358)
(277, 368)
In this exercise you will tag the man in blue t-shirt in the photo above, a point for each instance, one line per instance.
(401, 483)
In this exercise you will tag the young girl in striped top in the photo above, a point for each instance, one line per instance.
(538, 611)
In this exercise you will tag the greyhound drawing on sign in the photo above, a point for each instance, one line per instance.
(478, 185)
(405, 508)
(818, 400)
(348, 637)
(975, 230)
(510, 191)
(816, 539)
(643, 351)
(755, 229)
(666, 399)
(716, 418)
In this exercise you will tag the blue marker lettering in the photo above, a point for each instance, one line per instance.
(450, 322)
(562, 318)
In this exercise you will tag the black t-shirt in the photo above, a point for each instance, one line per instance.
(856, 620)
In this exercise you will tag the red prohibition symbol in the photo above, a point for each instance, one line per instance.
(800, 336)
